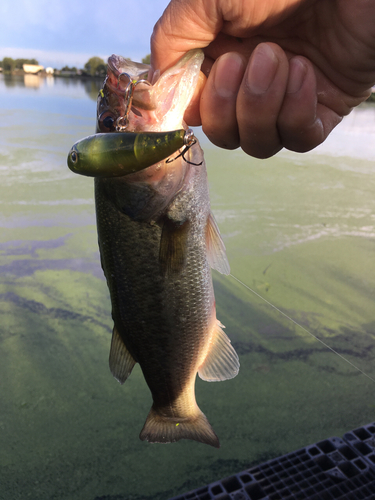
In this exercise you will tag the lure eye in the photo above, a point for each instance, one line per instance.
(73, 157)
(106, 122)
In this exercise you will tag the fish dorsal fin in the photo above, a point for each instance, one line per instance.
(221, 362)
(121, 362)
(172, 255)
(217, 257)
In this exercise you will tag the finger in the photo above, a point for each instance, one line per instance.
(218, 101)
(260, 99)
(304, 123)
(192, 113)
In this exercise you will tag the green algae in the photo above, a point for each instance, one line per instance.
(68, 430)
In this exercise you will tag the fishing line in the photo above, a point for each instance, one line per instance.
(303, 328)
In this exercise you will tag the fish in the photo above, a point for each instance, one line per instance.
(158, 241)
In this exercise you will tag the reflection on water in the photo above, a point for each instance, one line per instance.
(33, 81)
(299, 230)
(53, 84)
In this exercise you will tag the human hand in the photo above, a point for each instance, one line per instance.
(280, 73)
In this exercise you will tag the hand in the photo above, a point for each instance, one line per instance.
(280, 73)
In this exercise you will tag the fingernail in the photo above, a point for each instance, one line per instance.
(228, 73)
(262, 70)
(297, 73)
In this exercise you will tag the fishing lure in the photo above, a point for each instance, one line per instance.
(122, 153)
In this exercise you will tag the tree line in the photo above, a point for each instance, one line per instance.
(95, 66)
(9, 64)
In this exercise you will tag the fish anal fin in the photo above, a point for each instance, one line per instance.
(216, 253)
(121, 362)
(172, 254)
(161, 429)
(221, 362)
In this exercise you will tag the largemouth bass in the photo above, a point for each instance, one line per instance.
(158, 241)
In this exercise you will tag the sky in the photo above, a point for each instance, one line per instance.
(69, 32)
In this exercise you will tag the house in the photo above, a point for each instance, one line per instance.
(32, 68)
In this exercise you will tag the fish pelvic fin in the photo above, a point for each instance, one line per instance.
(159, 428)
(121, 362)
(222, 361)
(216, 253)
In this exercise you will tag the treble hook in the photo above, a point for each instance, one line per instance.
(122, 121)
(189, 141)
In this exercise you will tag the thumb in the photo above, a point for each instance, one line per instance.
(184, 25)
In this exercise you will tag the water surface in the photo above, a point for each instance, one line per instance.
(299, 230)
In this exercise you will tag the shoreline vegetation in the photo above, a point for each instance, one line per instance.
(94, 68)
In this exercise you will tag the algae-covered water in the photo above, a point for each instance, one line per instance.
(299, 230)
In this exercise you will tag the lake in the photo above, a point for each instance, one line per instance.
(299, 232)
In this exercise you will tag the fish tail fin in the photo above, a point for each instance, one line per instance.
(162, 429)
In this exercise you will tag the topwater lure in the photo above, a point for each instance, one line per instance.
(121, 153)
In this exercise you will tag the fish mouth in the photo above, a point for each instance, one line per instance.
(121, 73)
(129, 101)
(120, 70)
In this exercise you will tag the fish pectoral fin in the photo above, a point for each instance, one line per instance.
(172, 254)
(121, 362)
(217, 257)
(221, 362)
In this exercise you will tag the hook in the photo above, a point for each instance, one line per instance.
(189, 141)
(122, 121)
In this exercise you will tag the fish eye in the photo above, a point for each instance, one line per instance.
(73, 157)
(106, 122)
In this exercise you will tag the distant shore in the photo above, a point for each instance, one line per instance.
(58, 73)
